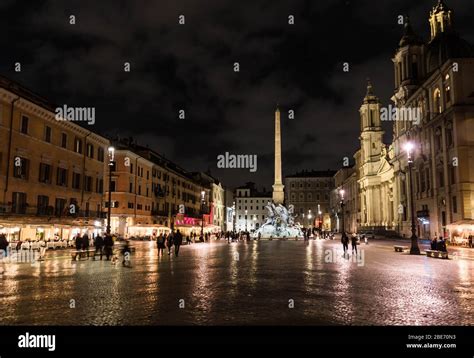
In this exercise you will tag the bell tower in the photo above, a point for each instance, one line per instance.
(440, 19)
(371, 132)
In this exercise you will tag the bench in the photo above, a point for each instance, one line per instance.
(437, 254)
(82, 254)
(399, 248)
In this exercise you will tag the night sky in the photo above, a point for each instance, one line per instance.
(191, 67)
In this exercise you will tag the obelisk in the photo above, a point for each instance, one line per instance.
(278, 194)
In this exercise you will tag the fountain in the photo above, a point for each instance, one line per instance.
(280, 222)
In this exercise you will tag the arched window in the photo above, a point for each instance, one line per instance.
(437, 100)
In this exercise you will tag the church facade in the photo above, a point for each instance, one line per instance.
(434, 83)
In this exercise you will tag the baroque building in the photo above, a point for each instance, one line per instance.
(435, 77)
(434, 83)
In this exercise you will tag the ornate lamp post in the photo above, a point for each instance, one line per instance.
(341, 193)
(309, 222)
(203, 194)
(246, 220)
(414, 250)
(233, 216)
(111, 152)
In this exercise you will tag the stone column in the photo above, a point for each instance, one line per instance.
(278, 194)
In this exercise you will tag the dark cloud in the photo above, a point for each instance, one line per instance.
(190, 67)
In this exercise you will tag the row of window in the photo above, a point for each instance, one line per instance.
(251, 208)
(423, 179)
(139, 206)
(264, 201)
(21, 169)
(78, 142)
(43, 207)
(310, 185)
(157, 174)
(309, 197)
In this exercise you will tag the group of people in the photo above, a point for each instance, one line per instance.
(169, 240)
(103, 245)
(354, 241)
(439, 244)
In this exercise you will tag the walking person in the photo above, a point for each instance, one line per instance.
(3, 251)
(108, 246)
(177, 240)
(345, 242)
(99, 246)
(3, 244)
(169, 242)
(85, 243)
(78, 242)
(42, 249)
(354, 243)
(160, 243)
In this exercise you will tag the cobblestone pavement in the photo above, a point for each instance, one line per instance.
(265, 282)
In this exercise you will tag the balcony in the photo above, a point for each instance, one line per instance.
(46, 211)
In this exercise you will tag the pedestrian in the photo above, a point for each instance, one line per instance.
(85, 243)
(354, 243)
(99, 246)
(345, 242)
(108, 246)
(188, 240)
(78, 242)
(434, 244)
(169, 242)
(42, 249)
(3, 244)
(160, 243)
(470, 241)
(177, 241)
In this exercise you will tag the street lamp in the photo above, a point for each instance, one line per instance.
(233, 216)
(245, 220)
(341, 193)
(203, 194)
(309, 221)
(319, 217)
(414, 250)
(111, 152)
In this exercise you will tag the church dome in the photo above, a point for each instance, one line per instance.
(444, 46)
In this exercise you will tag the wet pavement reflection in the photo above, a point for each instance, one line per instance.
(264, 282)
